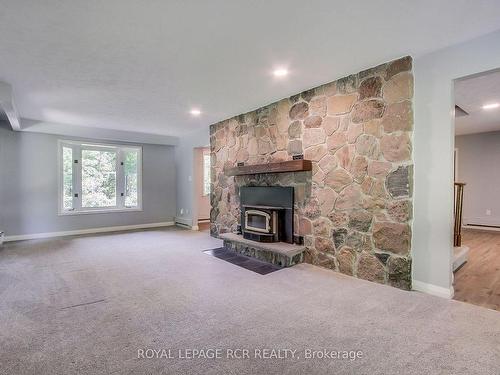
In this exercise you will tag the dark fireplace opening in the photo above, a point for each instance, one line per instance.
(267, 213)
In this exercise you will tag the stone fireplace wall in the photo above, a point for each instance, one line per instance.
(355, 208)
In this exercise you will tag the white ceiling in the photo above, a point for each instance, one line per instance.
(471, 94)
(141, 65)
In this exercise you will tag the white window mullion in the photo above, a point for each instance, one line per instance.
(120, 179)
(77, 178)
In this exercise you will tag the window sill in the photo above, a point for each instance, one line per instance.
(103, 211)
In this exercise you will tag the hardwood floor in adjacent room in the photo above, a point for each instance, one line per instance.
(204, 226)
(478, 280)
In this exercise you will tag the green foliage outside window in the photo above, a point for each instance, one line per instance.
(67, 178)
(98, 178)
(131, 183)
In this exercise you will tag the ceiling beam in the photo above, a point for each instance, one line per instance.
(7, 105)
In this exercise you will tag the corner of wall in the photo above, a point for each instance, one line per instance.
(184, 163)
(434, 290)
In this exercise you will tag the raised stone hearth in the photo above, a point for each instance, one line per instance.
(354, 206)
(278, 253)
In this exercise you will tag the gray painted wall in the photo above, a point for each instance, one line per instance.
(479, 167)
(184, 156)
(28, 187)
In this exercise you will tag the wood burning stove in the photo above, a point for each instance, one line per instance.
(267, 213)
(261, 221)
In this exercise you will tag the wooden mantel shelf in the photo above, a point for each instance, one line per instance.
(279, 167)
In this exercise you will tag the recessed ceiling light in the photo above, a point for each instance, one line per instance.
(491, 106)
(280, 72)
(195, 112)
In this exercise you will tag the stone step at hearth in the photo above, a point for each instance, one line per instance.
(278, 253)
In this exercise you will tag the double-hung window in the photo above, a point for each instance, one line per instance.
(99, 177)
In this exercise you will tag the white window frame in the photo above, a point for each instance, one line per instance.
(77, 146)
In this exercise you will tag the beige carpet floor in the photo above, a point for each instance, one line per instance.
(88, 305)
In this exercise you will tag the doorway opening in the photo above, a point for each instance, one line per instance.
(201, 191)
(476, 260)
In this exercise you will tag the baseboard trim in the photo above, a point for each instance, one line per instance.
(488, 228)
(435, 290)
(119, 228)
(186, 223)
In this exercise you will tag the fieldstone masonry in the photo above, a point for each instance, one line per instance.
(355, 208)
